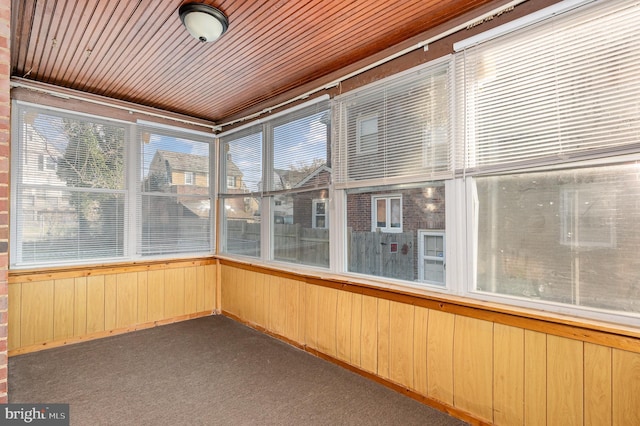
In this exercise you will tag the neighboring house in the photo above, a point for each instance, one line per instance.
(44, 211)
(179, 173)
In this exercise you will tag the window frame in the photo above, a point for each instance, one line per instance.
(314, 213)
(388, 228)
(421, 233)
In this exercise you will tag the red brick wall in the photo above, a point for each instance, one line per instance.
(5, 104)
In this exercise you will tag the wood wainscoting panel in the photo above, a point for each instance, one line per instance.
(383, 337)
(63, 304)
(95, 304)
(53, 308)
(535, 378)
(508, 375)
(420, 329)
(327, 307)
(565, 381)
(126, 299)
(36, 321)
(356, 330)
(80, 307)
(369, 336)
(473, 366)
(626, 388)
(343, 326)
(15, 313)
(401, 339)
(597, 385)
(440, 330)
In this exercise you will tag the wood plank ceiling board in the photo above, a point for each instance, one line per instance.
(138, 50)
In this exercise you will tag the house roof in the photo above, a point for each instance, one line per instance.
(185, 162)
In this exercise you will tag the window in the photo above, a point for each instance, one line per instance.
(174, 218)
(385, 239)
(82, 200)
(387, 213)
(189, 178)
(283, 187)
(320, 214)
(551, 158)
(241, 203)
(431, 252)
(75, 211)
(397, 129)
(367, 134)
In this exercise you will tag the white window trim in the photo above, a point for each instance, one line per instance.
(314, 214)
(189, 178)
(388, 228)
(422, 256)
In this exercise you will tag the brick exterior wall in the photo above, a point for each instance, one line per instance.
(5, 120)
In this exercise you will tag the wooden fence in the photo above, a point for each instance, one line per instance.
(383, 254)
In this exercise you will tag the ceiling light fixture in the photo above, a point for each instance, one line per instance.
(204, 22)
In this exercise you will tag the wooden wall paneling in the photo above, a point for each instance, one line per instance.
(143, 294)
(14, 311)
(190, 292)
(535, 378)
(63, 304)
(210, 287)
(261, 299)
(343, 326)
(565, 381)
(597, 385)
(239, 293)
(80, 307)
(36, 322)
(369, 336)
(173, 292)
(440, 330)
(249, 296)
(95, 304)
(508, 375)
(277, 312)
(473, 366)
(383, 338)
(110, 301)
(420, 326)
(126, 299)
(626, 388)
(200, 286)
(155, 297)
(356, 329)
(311, 316)
(327, 306)
(229, 282)
(291, 308)
(401, 338)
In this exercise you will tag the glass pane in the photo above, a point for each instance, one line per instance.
(175, 225)
(243, 163)
(434, 271)
(242, 225)
(392, 254)
(296, 240)
(381, 213)
(58, 225)
(396, 213)
(564, 236)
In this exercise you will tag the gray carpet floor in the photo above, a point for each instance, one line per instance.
(207, 371)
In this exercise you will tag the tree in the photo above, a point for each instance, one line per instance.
(93, 158)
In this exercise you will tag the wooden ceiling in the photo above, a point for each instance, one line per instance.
(138, 51)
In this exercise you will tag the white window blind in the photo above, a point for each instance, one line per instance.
(175, 200)
(300, 146)
(69, 187)
(396, 130)
(241, 157)
(565, 88)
